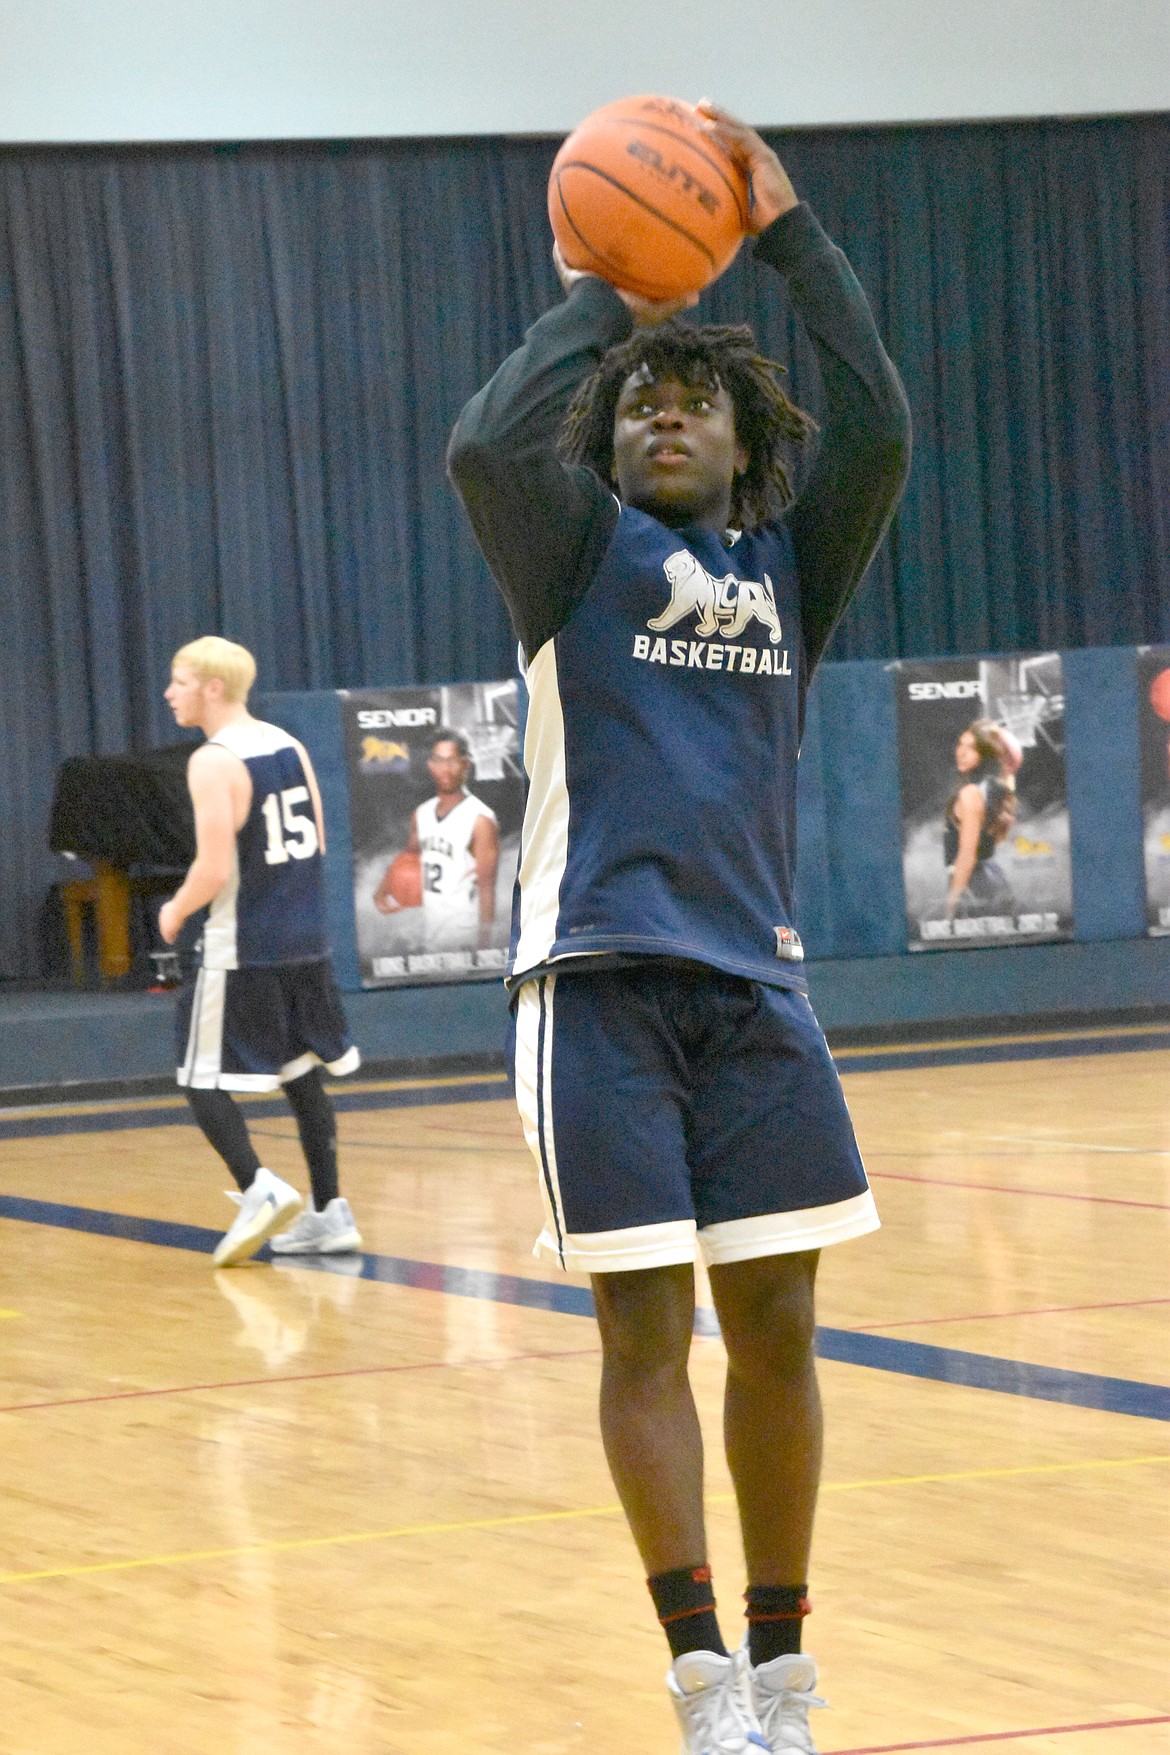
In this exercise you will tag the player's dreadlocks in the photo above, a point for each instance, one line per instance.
(766, 422)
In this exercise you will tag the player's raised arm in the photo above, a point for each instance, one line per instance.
(864, 457)
(542, 526)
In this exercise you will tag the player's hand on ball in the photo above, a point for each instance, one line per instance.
(770, 189)
(567, 276)
(169, 922)
(645, 312)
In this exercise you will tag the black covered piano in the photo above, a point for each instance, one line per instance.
(129, 817)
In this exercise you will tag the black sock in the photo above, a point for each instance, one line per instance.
(223, 1127)
(317, 1127)
(774, 1614)
(685, 1603)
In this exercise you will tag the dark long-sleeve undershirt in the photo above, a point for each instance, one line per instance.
(544, 525)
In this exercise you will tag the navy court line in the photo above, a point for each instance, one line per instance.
(1113, 1395)
(1043, 1383)
(29, 1125)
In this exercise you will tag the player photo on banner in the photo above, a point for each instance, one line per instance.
(436, 799)
(1153, 670)
(985, 842)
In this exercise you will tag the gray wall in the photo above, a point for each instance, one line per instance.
(129, 70)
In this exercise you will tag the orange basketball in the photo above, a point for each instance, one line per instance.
(404, 880)
(1160, 694)
(643, 196)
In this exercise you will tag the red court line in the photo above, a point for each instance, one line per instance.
(132, 1395)
(1102, 1200)
(1110, 1724)
(866, 1328)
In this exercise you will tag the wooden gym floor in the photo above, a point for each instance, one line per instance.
(364, 1510)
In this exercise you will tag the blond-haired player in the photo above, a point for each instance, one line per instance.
(262, 1013)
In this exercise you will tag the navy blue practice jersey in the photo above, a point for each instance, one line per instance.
(272, 908)
(661, 745)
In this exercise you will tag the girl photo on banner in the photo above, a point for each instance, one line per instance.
(436, 799)
(1153, 668)
(985, 838)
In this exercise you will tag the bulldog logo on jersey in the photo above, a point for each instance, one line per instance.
(724, 606)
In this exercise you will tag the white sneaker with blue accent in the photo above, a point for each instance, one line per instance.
(711, 1696)
(329, 1232)
(783, 1691)
(264, 1207)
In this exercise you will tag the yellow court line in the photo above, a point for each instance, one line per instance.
(305, 1543)
(1117, 1031)
(1087, 1034)
(484, 1078)
(1123, 1462)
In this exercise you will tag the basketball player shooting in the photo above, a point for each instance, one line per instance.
(626, 475)
(263, 1013)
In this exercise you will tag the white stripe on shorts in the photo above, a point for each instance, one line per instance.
(204, 1057)
(615, 1252)
(785, 1233)
(296, 1069)
(534, 1036)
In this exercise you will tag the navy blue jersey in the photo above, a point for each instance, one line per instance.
(661, 744)
(272, 908)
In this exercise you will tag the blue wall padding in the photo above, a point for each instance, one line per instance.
(849, 898)
(862, 870)
(315, 719)
(1104, 789)
(865, 993)
(813, 899)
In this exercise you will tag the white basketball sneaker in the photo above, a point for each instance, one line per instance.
(263, 1209)
(330, 1232)
(712, 1701)
(783, 1691)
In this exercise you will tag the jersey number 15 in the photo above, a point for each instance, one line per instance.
(290, 834)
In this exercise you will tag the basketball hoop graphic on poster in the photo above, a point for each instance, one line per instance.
(1026, 696)
(1021, 715)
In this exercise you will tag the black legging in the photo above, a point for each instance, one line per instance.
(222, 1122)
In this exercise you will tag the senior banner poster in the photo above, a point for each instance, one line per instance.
(985, 841)
(436, 799)
(1153, 668)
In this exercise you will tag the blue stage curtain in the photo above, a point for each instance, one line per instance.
(227, 375)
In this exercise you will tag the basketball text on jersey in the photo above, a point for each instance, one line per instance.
(723, 607)
(698, 655)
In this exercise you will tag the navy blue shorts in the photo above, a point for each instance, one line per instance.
(256, 1029)
(665, 1102)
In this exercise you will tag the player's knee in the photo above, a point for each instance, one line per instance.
(769, 1322)
(645, 1320)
